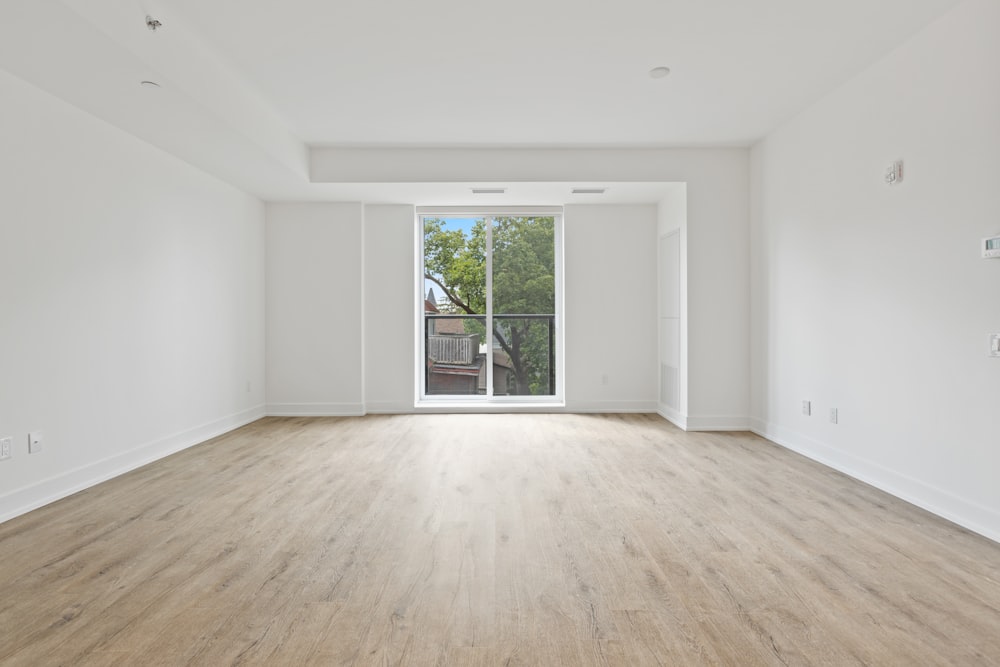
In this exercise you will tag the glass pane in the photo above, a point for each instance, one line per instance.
(454, 306)
(524, 306)
(456, 357)
(524, 355)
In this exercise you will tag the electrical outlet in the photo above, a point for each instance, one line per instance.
(807, 408)
(34, 442)
(5, 444)
(833, 415)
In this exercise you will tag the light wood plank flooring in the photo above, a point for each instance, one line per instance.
(492, 540)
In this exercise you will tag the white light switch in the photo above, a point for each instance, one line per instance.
(995, 345)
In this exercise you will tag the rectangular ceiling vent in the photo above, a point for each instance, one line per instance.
(589, 191)
(488, 191)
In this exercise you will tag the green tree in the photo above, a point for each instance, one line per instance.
(523, 284)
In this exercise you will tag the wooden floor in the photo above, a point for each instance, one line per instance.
(492, 540)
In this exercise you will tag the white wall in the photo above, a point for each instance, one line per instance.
(610, 318)
(314, 301)
(715, 258)
(390, 233)
(873, 299)
(315, 313)
(131, 300)
(717, 262)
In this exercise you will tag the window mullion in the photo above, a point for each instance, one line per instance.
(489, 306)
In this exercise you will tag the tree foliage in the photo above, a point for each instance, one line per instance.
(523, 284)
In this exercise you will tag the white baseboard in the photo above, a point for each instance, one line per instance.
(971, 515)
(33, 496)
(702, 422)
(388, 408)
(717, 423)
(673, 416)
(315, 409)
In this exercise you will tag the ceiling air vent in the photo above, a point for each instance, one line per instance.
(488, 191)
(588, 191)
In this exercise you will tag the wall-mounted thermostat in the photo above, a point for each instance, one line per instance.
(991, 246)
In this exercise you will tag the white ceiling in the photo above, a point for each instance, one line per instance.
(248, 85)
(547, 71)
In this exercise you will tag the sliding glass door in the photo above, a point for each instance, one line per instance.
(490, 324)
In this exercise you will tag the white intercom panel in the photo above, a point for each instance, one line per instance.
(991, 246)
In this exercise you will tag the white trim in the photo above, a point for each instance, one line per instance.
(388, 408)
(315, 409)
(559, 258)
(673, 416)
(436, 403)
(717, 423)
(703, 422)
(25, 499)
(490, 224)
(482, 399)
(977, 518)
(364, 308)
(457, 407)
(487, 211)
(419, 355)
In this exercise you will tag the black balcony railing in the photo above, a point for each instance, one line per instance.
(523, 348)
